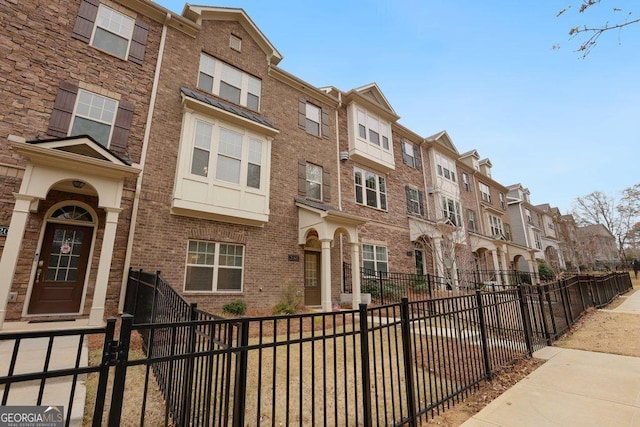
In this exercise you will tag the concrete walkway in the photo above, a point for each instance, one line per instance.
(573, 388)
(31, 358)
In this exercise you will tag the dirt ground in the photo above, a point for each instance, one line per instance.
(597, 330)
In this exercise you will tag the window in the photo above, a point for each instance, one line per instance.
(312, 115)
(507, 232)
(113, 32)
(550, 225)
(370, 189)
(465, 182)
(451, 210)
(94, 116)
(485, 192)
(228, 82)
(502, 203)
(496, 226)
(527, 213)
(415, 204)
(373, 130)
(374, 259)
(446, 168)
(538, 240)
(314, 181)
(235, 43)
(238, 156)
(410, 154)
(214, 267)
(471, 220)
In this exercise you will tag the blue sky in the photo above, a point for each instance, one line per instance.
(487, 73)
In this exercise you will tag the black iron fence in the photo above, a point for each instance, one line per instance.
(393, 364)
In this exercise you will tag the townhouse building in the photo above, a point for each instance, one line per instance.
(77, 79)
(550, 236)
(134, 137)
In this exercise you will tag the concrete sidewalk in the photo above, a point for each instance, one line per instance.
(31, 358)
(573, 388)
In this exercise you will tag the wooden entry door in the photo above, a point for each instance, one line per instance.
(61, 269)
(312, 290)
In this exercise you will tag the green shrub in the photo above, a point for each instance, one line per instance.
(546, 273)
(284, 308)
(237, 308)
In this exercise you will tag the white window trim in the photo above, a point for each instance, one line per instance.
(447, 213)
(314, 182)
(406, 145)
(382, 125)
(214, 153)
(75, 114)
(128, 37)
(216, 269)
(379, 193)
(495, 223)
(446, 168)
(485, 192)
(375, 259)
(216, 74)
(414, 202)
(311, 119)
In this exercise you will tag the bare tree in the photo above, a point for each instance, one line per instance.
(617, 216)
(589, 35)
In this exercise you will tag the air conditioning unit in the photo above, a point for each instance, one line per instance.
(344, 156)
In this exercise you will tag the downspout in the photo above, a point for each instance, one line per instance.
(143, 159)
(424, 181)
(338, 152)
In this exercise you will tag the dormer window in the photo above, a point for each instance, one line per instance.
(229, 83)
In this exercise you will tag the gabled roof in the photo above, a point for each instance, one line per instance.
(470, 153)
(83, 145)
(486, 162)
(442, 138)
(208, 13)
(371, 97)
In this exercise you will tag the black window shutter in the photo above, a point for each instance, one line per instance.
(121, 128)
(63, 109)
(405, 159)
(302, 177)
(421, 200)
(302, 113)
(325, 123)
(326, 186)
(84, 21)
(138, 42)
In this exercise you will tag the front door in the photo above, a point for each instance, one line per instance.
(61, 269)
(312, 295)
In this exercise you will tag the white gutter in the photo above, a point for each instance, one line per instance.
(338, 152)
(143, 159)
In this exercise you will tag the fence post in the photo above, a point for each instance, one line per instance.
(553, 315)
(429, 284)
(483, 335)
(379, 278)
(408, 361)
(240, 387)
(105, 364)
(364, 360)
(544, 316)
(191, 349)
(526, 321)
(154, 305)
(120, 376)
(562, 286)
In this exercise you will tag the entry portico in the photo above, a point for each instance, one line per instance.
(73, 167)
(324, 223)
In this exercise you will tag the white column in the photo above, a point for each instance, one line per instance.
(325, 275)
(496, 265)
(355, 275)
(505, 266)
(96, 317)
(11, 249)
(454, 275)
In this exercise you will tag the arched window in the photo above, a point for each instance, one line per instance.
(72, 212)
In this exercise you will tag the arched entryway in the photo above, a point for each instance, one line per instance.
(62, 265)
